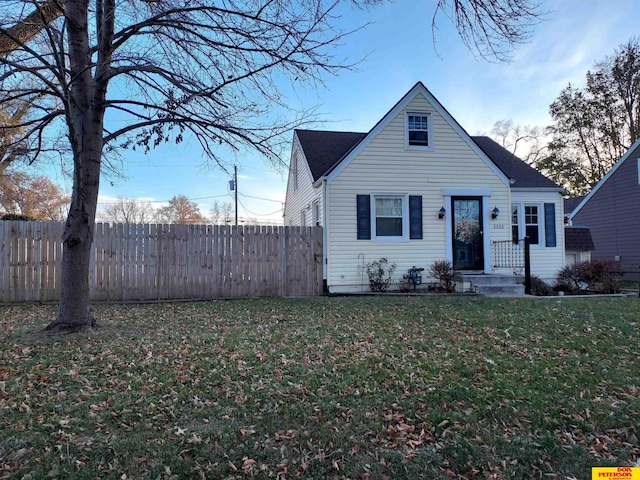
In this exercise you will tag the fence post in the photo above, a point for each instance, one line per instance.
(527, 265)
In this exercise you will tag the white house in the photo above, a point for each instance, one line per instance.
(417, 189)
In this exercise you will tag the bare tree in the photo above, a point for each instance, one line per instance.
(13, 116)
(524, 141)
(491, 29)
(35, 197)
(220, 212)
(25, 29)
(180, 210)
(128, 210)
(200, 68)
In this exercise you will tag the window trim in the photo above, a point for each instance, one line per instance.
(522, 225)
(429, 116)
(405, 218)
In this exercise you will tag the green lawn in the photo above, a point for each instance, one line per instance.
(346, 387)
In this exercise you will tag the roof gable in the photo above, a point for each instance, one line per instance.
(571, 203)
(418, 89)
(632, 152)
(325, 149)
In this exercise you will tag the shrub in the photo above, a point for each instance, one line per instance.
(607, 275)
(539, 287)
(603, 276)
(444, 272)
(379, 273)
(563, 285)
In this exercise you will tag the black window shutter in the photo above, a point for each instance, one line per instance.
(550, 224)
(415, 217)
(364, 217)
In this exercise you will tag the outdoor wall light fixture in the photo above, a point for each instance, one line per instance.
(494, 213)
(441, 213)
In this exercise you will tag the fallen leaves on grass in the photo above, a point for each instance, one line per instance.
(387, 387)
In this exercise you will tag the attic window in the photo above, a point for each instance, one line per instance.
(418, 130)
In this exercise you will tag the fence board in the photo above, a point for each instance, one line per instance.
(164, 262)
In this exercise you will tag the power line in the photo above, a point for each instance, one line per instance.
(258, 214)
(163, 201)
(261, 198)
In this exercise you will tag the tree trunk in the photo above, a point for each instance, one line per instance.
(73, 312)
(85, 119)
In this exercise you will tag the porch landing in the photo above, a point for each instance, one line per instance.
(492, 284)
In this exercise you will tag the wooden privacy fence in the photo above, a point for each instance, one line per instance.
(165, 262)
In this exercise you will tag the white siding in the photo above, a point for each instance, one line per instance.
(386, 166)
(299, 200)
(575, 256)
(545, 261)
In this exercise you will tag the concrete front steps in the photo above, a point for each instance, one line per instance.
(493, 284)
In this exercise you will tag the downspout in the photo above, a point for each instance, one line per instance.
(325, 227)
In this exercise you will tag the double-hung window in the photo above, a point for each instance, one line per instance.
(515, 224)
(526, 220)
(418, 130)
(390, 216)
(532, 223)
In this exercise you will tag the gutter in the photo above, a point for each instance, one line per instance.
(538, 189)
(325, 262)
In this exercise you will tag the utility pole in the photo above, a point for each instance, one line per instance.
(235, 185)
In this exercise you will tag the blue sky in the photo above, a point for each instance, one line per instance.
(397, 51)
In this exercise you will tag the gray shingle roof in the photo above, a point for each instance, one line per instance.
(523, 175)
(325, 149)
(570, 204)
(578, 238)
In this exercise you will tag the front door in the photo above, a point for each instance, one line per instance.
(467, 233)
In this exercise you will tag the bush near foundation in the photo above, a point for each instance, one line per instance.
(601, 276)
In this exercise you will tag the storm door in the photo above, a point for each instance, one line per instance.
(467, 233)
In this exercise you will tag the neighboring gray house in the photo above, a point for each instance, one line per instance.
(416, 189)
(570, 205)
(612, 212)
(578, 243)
